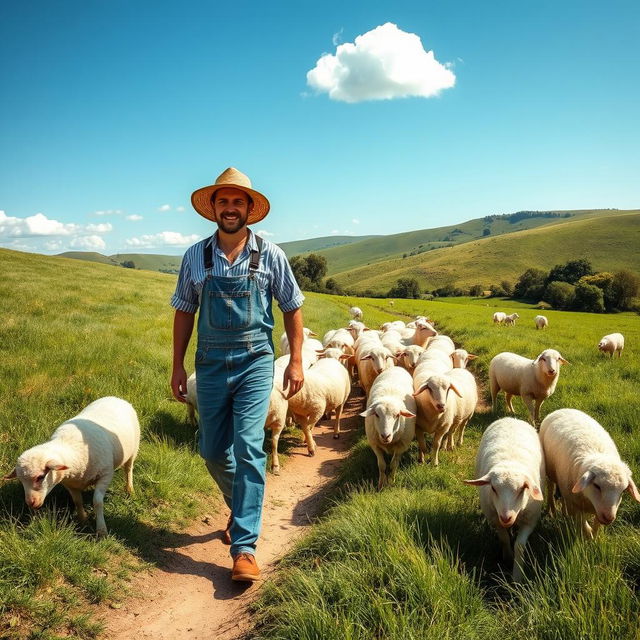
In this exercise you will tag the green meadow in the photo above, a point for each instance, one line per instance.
(415, 560)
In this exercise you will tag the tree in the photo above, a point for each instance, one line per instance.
(309, 271)
(497, 291)
(625, 287)
(588, 297)
(560, 295)
(570, 271)
(507, 287)
(333, 287)
(486, 232)
(530, 284)
(316, 267)
(128, 264)
(405, 288)
(603, 280)
(476, 290)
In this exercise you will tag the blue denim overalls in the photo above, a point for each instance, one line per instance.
(234, 370)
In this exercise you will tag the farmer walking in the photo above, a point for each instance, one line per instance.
(231, 278)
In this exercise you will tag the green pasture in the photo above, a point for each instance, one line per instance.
(609, 241)
(417, 560)
(413, 561)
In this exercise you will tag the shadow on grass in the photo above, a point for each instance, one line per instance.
(176, 432)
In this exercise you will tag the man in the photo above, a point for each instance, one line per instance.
(231, 278)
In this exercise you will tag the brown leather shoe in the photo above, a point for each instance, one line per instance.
(226, 536)
(245, 568)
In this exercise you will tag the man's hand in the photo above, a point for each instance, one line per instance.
(179, 384)
(293, 379)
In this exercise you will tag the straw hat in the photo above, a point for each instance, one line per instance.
(201, 199)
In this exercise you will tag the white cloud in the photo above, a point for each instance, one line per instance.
(165, 207)
(134, 217)
(264, 234)
(180, 209)
(355, 221)
(382, 64)
(87, 242)
(31, 226)
(334, 231)
(108, 212)
(99, 228)
(337, 37)
(163, 239)
(52, 245)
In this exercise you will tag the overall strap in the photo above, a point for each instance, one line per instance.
(208, 255)
(254, 261)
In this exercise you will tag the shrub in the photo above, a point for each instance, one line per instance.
(405, 288)
(560, 295)
(476, 290)
(570, 271)
(588, 297)
(530, 284)
(625, 286)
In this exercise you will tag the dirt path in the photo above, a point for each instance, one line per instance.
(191, 595)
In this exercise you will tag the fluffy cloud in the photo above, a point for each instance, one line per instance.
(99, 228)
(355, 221)
(165, 207)
(134, 217)
(382, 64)
(264, 234)
(108, 212)
(163, 239)
(33, 226)
(180, 209)
(88, 242)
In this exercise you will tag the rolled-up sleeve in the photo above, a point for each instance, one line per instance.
(185, 297)
(284, 287)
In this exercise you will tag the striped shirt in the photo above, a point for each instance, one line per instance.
(274, 274)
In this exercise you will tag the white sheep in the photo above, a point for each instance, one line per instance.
(356, 313)
(390, 419)
(276, 420)
(371, 361)
(510, 473)
(410, 356)
(541, 322)
(511, 319)
(423, 334)
(326, 388)
(441, 343)
(284, 341)
(461, 358)
(83, 451)
(583, 461)
(356, 328)
(532, 380)
(192, 399)
(498, 317)
(612, 343)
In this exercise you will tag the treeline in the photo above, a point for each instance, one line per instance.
(512, 218)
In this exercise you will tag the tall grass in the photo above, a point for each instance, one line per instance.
(417, 560)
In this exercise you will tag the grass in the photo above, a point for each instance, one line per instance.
(610, 242)
(417, 560)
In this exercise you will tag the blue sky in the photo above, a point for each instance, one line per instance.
(113, 112)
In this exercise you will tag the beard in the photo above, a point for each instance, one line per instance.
(232, 225)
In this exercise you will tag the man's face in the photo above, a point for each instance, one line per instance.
(232, 208)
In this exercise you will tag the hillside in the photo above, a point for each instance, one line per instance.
(146, 261)
(382, 248)
(318, 244)
(89, 256)
(610, 242)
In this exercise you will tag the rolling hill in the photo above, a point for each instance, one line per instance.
(611, 242)
(298, 247)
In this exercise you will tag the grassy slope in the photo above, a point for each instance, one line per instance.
(384, 248)
(610, 243)
(89, 256)
(417, 560)
(298, 247)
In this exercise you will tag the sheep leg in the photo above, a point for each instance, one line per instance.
(437, 439)
(461, 429)
(192, 414)
(275, 461)
(495, 388)
(393, 465)
(311, 445)
(519, 547)
(505, 543)
(551, 500)
(336, 426)
(595, 527)
(529, 402)
(422, 445)
(98, 503)
(128, 471)
(382, 469)
(508, 398)
(583, 526)
(76, 496)
(538, 404)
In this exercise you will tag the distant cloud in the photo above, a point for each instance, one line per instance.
(165, 207)
(334, 231)
(180, 209)
(264, 234)
(52, 245)
(31, 226)
(163, 239)
(134, 217)
(337, 37)
(100, 228)
(108, 212)
(355, 221)
(382, 64)
(88, 242)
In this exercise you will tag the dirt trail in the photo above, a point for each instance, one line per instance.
(191, 595)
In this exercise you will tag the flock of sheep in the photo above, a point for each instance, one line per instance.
(416, 383)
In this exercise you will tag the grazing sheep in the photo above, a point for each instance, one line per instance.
(390, 419)
(532, 380)
(510, 472)
(356, 313)
(284, 341)
(612, 343)
(441, 343)
(423, 334)
(410, 356)
(583, 461)
(83, 451)
(326, 388)
(338, 338)
(498, 317)
(192, 399)
(276, 420)
(511, 319)
(461, 357)
(356, 328)
(541, 322)
(371, 361)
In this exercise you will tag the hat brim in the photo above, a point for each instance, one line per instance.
(201, 201)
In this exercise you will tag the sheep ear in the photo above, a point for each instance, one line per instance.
(453, 388)
(13, 475)
(369, 357)
(581, 485)
(471, 356)
(633, 490)
(420, 389)
(479, 482)
(563, 361)
(368, 412)
(52, 465)
(407, 414)
(345, 356)
(313, 333)
(534, 490)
